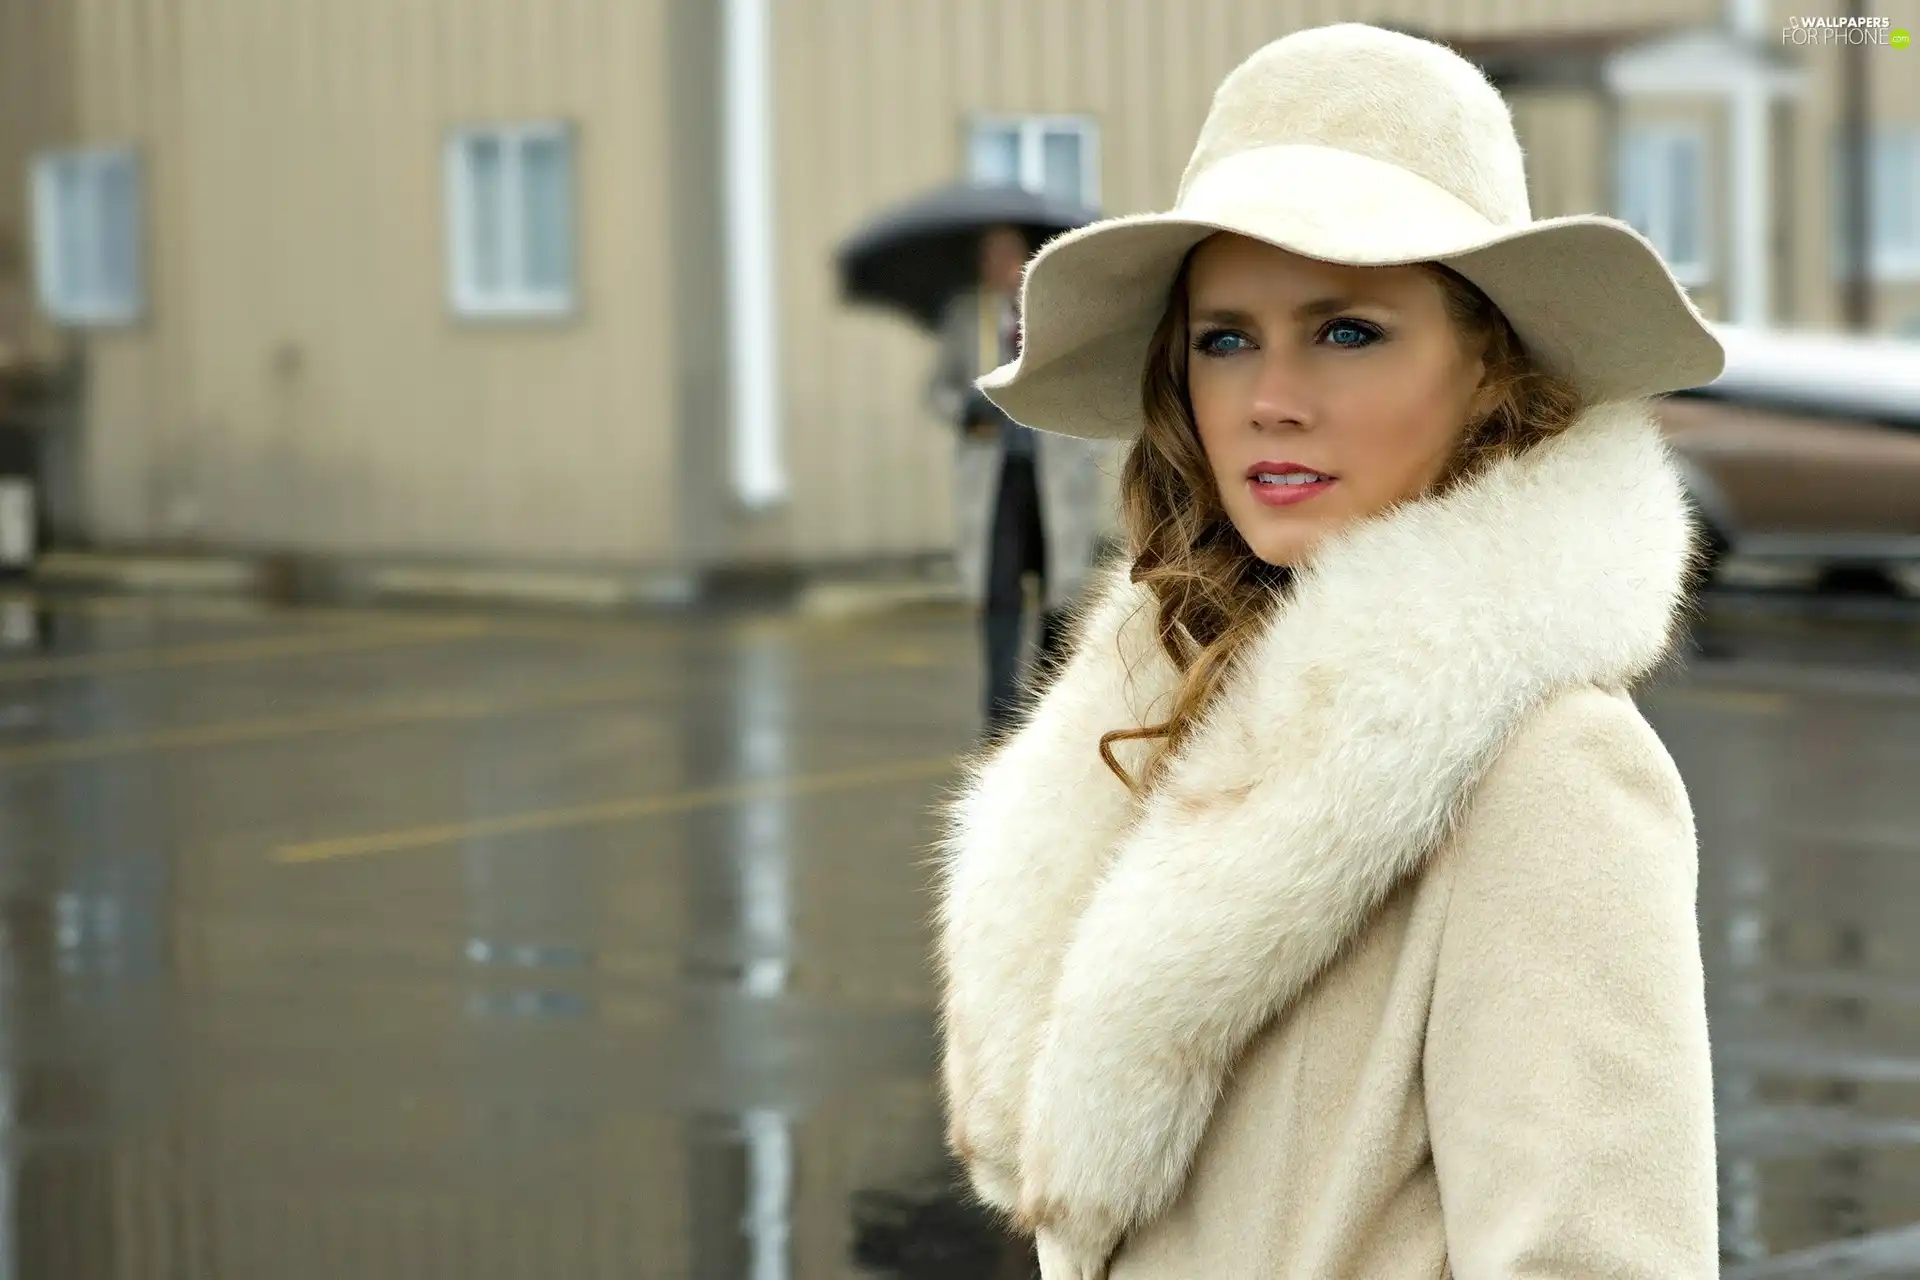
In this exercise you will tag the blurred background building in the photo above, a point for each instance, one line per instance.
(549, 282)
(428, 286)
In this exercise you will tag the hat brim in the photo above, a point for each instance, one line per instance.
(1588, 296)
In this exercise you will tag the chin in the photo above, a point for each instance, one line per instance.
(1281, 557)
(1285, 538)
(1284, 549)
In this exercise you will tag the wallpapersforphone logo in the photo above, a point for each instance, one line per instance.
(1821, 31)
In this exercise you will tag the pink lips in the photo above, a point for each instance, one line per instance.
(1285, 495)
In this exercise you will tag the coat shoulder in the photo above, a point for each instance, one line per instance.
(1585, 738)
(1582, 791)
(1566, 1067)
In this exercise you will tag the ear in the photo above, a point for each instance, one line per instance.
(1478, 403)
(1487, 392)
(1485, 399)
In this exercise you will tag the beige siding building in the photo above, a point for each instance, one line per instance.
(432, 282)
(36, 110)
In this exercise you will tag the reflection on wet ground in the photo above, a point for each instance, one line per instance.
(401, 945)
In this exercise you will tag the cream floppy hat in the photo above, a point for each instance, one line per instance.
(1353, 144)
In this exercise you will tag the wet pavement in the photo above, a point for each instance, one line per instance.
(340, 943)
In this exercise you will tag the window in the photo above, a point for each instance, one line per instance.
(1896, 203)
(86, 231)
(510, 220)
(1893, 204)
(1054, 155)
(1663, 194)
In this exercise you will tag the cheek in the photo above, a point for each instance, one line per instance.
(1218, 404)
(1408, 441)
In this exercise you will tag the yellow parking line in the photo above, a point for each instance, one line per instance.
(231, 652)
(610, 811)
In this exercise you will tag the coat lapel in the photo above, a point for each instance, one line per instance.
(1105, 959)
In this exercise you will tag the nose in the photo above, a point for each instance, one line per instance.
(1280, 395)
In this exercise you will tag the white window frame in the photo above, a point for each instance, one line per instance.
(1662, 135)
(57, 295)
(514, 300)
(1032, 132)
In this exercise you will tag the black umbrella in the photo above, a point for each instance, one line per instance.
(917, 256)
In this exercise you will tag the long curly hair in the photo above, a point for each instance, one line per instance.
(1214, 594)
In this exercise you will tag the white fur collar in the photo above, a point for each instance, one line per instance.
(1104, 959)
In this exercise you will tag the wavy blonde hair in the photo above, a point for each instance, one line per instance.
(1214, 593)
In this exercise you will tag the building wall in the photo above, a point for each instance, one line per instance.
(1564, 133)
(300, 381)
(36, 102)
(1812, 129)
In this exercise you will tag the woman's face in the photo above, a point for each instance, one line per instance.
(1354, 380)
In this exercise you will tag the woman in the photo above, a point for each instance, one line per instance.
(1332, 912)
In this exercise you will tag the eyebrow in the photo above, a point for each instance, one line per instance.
(1310, 310)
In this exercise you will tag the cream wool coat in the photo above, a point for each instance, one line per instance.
(1396, 974)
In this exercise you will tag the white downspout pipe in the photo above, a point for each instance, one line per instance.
(757, 462)
(1749, 111)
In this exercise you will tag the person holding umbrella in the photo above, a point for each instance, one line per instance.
(1026, 502)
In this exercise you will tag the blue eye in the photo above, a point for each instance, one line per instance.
(1351, 333)
(1222, 342)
